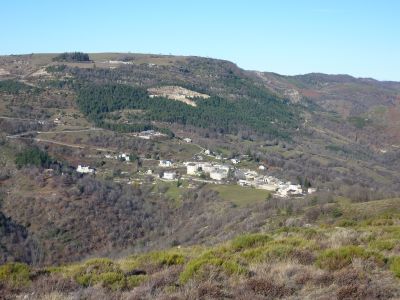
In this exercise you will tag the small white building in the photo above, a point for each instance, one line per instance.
(250, 175)
(205, 167)
(85, 169)
(218, 174)
(165, 163)
(169, 175)
(187, 140)
(124, 156)
(295, 189)
(207, 152)
(235, 161)
(243, 182)
(149, 172)
(266, 186)
(261, 167)
(311, 190)
(192, 168)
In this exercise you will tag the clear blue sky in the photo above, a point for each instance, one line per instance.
(357, 37)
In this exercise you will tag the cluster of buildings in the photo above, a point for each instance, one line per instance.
(215, 171)
(248, 178)
(270, 183)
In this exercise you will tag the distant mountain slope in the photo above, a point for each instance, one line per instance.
(372, 106)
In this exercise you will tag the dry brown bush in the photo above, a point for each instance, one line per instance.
(54, 283)
(268, 287)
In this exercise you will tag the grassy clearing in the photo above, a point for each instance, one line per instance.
(240, 196)
(373, 208)
(173, 190)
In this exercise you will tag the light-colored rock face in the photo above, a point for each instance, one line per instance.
(177, 93)
(4, 72)
(280, 87)
(40, 72)
(293, 95)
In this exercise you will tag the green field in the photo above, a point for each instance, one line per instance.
(240, 196)
(172, 191)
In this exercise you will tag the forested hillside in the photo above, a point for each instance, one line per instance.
(266, 115)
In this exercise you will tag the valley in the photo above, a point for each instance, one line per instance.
(138, 175)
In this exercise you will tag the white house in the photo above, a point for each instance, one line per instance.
(311, 190)
(218, 174)
(169, 175)
(207, 152)
(124, 156)
(165, 163)
(250, 175)
(187, 140)
(84, 169)
(192, 168)
(295, 189)
(226, 168)
(266, 186)
(261, 167)
(235, 161)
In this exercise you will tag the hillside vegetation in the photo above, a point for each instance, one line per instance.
(358, 260)
(269, 116)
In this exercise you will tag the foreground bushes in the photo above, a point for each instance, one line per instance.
(104, 272)
(196, 266)
(336, 259)
(284, 264)
(15, 275)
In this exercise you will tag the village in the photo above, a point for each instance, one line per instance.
(206, 167)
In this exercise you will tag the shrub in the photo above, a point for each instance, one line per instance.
(195, 266)
(395, 266)
(152, 261)
(134, 281)
(336, 259)
(346, 223)
(15, 275)
(269, 288)
(249, 241)
(168, 258)
(101, 271)
(382, 245)
(268, 253)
